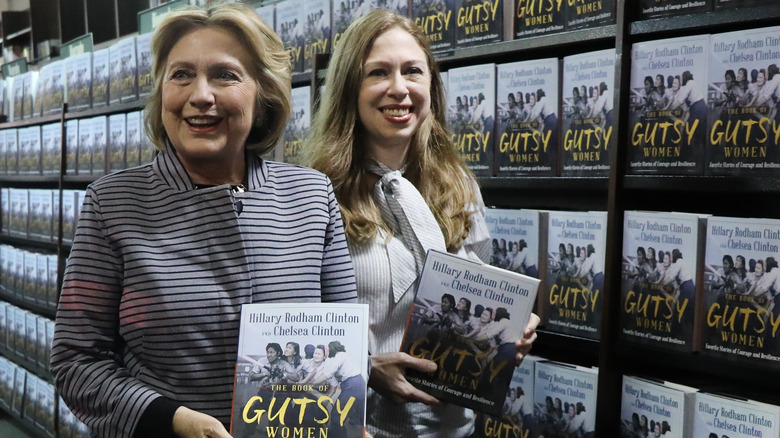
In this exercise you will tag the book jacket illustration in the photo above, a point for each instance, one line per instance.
(573, 295)
(655, 407)
(741, 316)
(660, 8)
(724, 416)
(582, 14)
(588, 83)
(538, 18)
(744, 121)
(471, 103)
(316, 31)
(478, 22)
(527, 118)
(517, 414)
(298, 124)
(668, 110)
(78, 80)
(466, 316)
(290, 21)
(301, 370)
(661, 254)
(515, 234)
(564, 400)
(436, 18)
(123, 72)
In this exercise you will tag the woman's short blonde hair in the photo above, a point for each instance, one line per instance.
(271, 68)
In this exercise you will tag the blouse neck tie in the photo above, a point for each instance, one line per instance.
(411, 220)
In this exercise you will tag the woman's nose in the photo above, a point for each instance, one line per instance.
(202, 93)
(397, 87)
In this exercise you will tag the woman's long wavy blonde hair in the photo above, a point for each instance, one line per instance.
(334, 145)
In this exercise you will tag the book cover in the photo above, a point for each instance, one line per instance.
(20, 315)
(532, 18)
(123, 71)
(301, 370)
(744, 119)
(479, 22)
(3, 153)
(51, 148)
(298, 124)
(517, 414)
(316, 31)
(52, 294)
(100, 77)
(68, 215)
(17, 99)
(65, 419)
(564, 400)
(581, 14)
(34, 155)
(666, 8)
(574, 288)
(741, 315)
(71, 146)
(660, 278)
(117, 139)
(8, 105)
(343, 15)
(5, 389)
(733, 417)
(474, 349)
(437, 20)
(26, 150)
(5, 207)
(290, 22)
(148, 149)
(656, 408)
(3, 322)
(471, 103)
(30, 80)
(143, 50)
(12, 150)
(39, 95)
(31, 321)
(268, 14)
(588, 84)
(99, 144)
(78, 79)
(7, 281)
(515, 237)
(84, 158)
(55, 90)
(29, 292)
(19, 209)
(41, 345)
(134, 133)
(30, 397)
(40, 214)
(44, 418)
(668, 109)
(527, 118)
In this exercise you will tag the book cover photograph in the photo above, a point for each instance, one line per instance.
(100, 77)
(54, 89)
(668, 109)
(478, 22)
(143, 51)
(581, 14)
(516, 235)
(741, 316)
(30, 84)
(84, 159)
(267, 13)
(743, 118)
(588, 83)
(659, 282)
(564, 400)
(665, 8)
(134, 134)
(517, 414)
(527, 118)
(316, 31)
(733, 417)
(71, 145)
(117, 138)
(539, 17)
(471, 103)
(290, 22)
(436, 18)
(17, 100)
(301, 370)
(12, 150)
(99, 143)
(467, 316)
(51, 147)
(123, 73)
(656, 408)
(573, 295)
(298, 124)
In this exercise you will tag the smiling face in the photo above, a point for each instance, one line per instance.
(208, 102)
(289, 350)
(395, 93)
(271, 355)
(319, 355)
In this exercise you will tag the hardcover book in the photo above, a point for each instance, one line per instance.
(476, 337)
(316, 31)
(99, 144)
(343, 15)
(134, 134)
(148, 149)
(301, 370)
(661, 278)
(51, 148)
(30, 319)
(40, 214)
(743, 118)
(6, 369)
(52, 288)
(532, 18)
(668, 110)
(527, 118)
(741, 315)
(298, 124)
(20, 315)
(117, 139)
(574, 288)
(30, 397)
(30, 80)
(84, 159)
(17, 398)
(665, 8)
(143, 50)
(437, 20)
(27, 149)
(100, 77)
(39, 94)
(78, 79)
(480, 22)
(581, 14)
(588, 84)
(19, 208)
(44, 418)
(564, 400)
(471, 103)
(123, 71)
(55, 89)
(516, 234)
(656, 407)
(12, 150)
(290, 21)
(71, 146)
(3, 153)
(733, 417)
(17, 97)
(5, 207)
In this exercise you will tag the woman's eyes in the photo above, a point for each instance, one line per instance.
(410, 71)
(180, 74)
(221, 75)
(227, 76)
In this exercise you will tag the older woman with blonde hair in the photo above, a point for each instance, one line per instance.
(166, 253)
(403, 189)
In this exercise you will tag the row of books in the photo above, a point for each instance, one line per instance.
(34, 213)
(32, 398)
(667, 8)
(116, 74)
(94, 146)
(25, 336)
(690, 282)
(30, 277)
